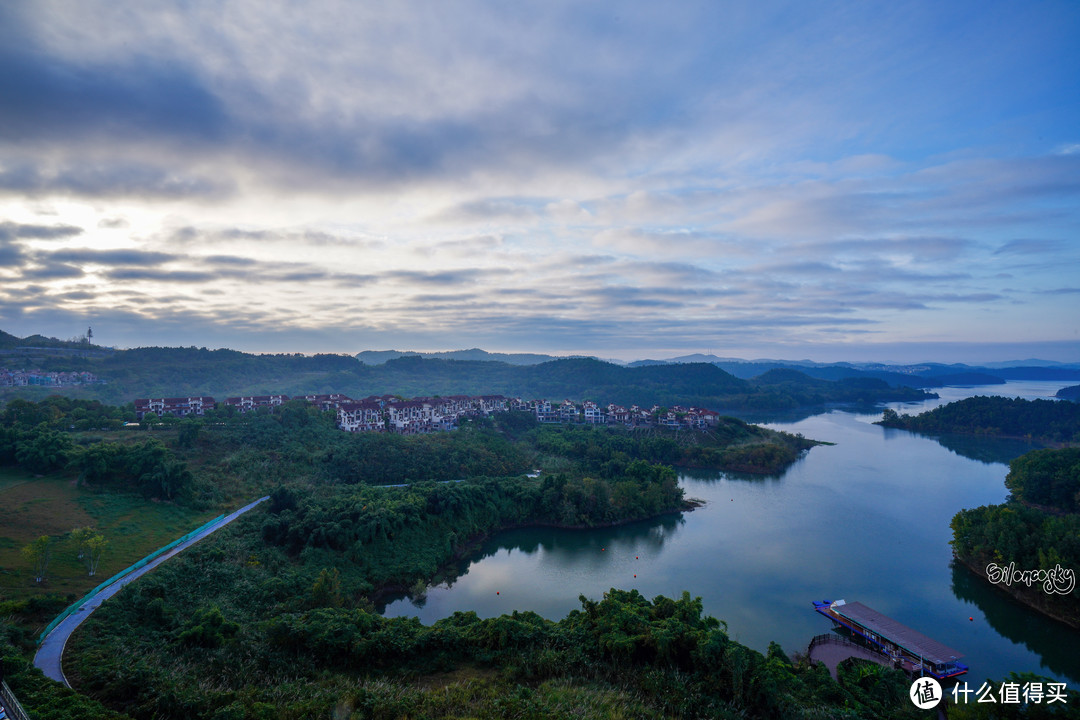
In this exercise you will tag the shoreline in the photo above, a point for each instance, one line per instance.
(1019, 595)
(936, 435)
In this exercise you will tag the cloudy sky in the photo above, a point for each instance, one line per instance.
(827, 180)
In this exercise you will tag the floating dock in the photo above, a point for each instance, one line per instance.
(906, 648)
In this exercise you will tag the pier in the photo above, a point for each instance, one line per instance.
(900, 645)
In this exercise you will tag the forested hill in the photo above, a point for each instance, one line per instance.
(1044, 420)
(1069, 393)
(170, 372)
(1038, 529)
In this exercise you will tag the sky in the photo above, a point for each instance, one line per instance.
(825, 180)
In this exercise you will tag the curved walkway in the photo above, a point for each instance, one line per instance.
(51, 652)
(832, 650)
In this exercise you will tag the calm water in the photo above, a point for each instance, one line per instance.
(866, 519)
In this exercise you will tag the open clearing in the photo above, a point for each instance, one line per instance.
(34, 506)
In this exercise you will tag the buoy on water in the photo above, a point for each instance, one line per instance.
(496, 592)
(971, 619)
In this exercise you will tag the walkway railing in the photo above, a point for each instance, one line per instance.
(834, 639)
(11, 703)
(74, 607)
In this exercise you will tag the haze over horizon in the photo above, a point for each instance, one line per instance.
(841, 181)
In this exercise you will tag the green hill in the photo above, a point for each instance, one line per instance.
(1044, 420)
(170, 372)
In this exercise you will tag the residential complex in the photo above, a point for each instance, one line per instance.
(23, 378)
(390, 413)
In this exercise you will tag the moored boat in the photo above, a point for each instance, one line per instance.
(906, 648)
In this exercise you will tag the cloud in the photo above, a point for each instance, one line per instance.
(172, 276)
(10, 255)
(93, 177)
(191, 235)
(494, 209)
(16, 231)
(556, 171)
(52, 271)
(922, 249)
(675, 241)
(111, 257)
(1030, 247)
(466, 247)
(1060, 291)
(50, 98)
(231, 260)
(443, 277)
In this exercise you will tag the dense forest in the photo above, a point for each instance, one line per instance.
(227, 454)
(1038, 529)
(220, 636)
(1043, 420)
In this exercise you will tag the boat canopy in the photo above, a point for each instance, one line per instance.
(911, 640)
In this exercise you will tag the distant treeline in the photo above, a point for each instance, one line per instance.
(1044, 420)
(200, 461)
(172, 372)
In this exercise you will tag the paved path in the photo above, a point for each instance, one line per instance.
(51, 652)
(832, 655)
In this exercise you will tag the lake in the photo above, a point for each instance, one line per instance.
(866, 519)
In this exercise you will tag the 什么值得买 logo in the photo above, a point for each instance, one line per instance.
(1057, 580)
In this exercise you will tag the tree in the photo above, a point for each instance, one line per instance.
(189, 433)
(326, 592)
(80, 538)
(95, 547)
(39, 553)
(42, 450)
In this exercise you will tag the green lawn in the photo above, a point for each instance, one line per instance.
(52, 505)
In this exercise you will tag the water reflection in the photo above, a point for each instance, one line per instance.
(716, 476)
(581, 552)
(988, 450)
(1055, 643)
(586, 545)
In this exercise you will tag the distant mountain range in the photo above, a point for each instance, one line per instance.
(922, 375)
(701, 380)
(378, 357)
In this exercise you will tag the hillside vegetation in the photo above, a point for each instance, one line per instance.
(172, 372)
(1037, 530)
(1045, 420)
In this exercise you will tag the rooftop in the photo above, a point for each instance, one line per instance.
(911, 640)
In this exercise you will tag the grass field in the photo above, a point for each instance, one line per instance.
(52, 505)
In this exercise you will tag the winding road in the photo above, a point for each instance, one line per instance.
(51, 652)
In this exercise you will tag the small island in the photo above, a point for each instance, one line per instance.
(1069, 393)
(1046, 421)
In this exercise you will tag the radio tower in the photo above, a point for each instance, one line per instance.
(89, 335)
